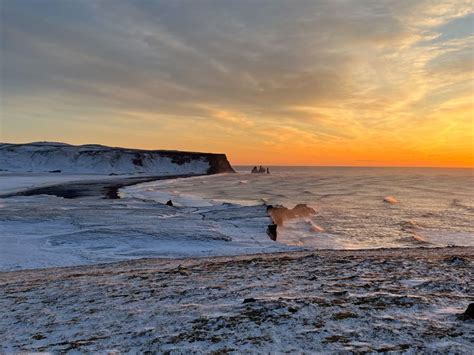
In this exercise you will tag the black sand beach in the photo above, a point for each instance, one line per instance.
(106, 188)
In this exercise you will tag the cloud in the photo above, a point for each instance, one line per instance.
(324, 70)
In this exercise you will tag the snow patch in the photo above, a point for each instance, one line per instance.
(97, 159)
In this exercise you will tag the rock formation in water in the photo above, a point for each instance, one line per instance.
(272, 231)
(280, 213)
(260, 170)
(98, 159)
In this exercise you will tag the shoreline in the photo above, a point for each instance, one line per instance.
(304, 301)
(106, 188)
(85, 223)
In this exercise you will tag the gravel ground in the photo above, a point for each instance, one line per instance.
(403, 300)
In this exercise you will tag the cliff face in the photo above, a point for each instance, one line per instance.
(97, 159)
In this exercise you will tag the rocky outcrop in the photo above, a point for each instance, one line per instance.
(98, 159)
(272, 231)
(280, 214)
(469, 313)
(219, 164)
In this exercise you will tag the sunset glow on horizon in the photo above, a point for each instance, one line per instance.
(350, 83)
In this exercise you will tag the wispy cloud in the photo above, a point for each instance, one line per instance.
(240, 76)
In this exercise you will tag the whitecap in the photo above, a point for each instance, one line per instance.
(314, 227)
(391, 199)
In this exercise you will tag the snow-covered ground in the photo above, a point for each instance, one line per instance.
(46, 231)
(40, 231)
(43, 157)
(401, 301)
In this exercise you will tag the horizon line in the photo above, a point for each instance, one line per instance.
(227, 155)
(356, 166)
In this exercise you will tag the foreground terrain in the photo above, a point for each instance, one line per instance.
(378, 300)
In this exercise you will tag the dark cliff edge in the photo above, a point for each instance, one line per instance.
(91, 158)
(218, 163)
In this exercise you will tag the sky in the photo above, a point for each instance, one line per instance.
(334, 82)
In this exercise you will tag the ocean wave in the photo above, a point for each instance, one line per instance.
(414, 240)
(391, 199)
(457, 203)
(348, 205)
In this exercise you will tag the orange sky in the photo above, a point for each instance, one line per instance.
(284, 83)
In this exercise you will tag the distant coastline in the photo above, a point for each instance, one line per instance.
(53, 157)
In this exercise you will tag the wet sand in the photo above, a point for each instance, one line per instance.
(333, 301)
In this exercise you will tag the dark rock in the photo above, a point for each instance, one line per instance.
(456, 260)
(218, 164)
(344, 315)
(169, 203)
(336, 339)
(397, 348)
(54, 171)
(260, 170)
(38, 336)
(469, 313)
(249, 300)
(272, 231)
(137, 160)
(281, 213)
(292, 309)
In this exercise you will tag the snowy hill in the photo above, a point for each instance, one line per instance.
(97, 159)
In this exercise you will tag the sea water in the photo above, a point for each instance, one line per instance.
(356, 207)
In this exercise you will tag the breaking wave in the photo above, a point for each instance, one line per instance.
(341, 208)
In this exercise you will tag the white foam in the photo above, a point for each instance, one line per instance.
(153, 191)
(448, 238)
(352, 213)
(391, 199)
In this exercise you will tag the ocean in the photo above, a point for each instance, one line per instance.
(356, 207)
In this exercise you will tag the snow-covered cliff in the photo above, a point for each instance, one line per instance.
(98, 159)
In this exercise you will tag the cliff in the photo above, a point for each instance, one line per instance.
(97, 159)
